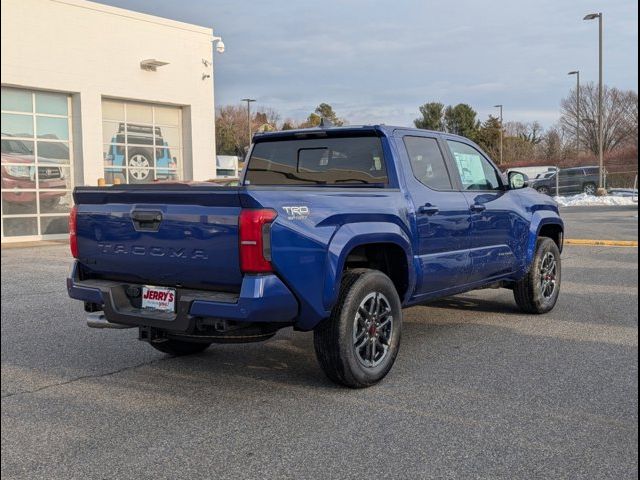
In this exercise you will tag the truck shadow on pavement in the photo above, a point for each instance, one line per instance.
(475, 304)
(285, 361)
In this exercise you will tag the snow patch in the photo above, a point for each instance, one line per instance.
(584, 200)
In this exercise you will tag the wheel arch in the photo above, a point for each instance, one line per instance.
(545, 223)
(382, 246)
(554, 231)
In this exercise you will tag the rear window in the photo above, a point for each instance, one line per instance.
(318, 161)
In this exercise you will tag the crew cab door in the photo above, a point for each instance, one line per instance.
(497, 229)
(441, 215)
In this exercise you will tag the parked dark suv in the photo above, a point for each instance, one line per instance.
(570, 181)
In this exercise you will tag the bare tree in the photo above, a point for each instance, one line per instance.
(265, 119)
(631, 115)
(554, 145)
(288, 124)
(231, 130)
(617, 115)
(530, 132)
(231, 127)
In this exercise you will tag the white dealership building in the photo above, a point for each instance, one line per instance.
(93, 92)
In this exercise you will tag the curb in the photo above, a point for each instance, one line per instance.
(601, 243)
(35, 243)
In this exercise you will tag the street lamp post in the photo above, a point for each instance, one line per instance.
(501, 133)
(577, 74)
(249, 100)
(593, 16)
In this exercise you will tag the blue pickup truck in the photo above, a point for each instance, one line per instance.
(332, 230)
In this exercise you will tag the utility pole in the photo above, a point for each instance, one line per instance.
(593, 16)
(501, 133)
(577, 74)
(249, 100)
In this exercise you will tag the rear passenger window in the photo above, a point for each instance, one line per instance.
(428, 163)
(318, 161)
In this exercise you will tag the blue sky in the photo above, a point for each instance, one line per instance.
(376, 62)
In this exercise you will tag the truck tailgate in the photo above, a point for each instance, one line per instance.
(165, 235)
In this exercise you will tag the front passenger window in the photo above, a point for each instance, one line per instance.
(476, 172)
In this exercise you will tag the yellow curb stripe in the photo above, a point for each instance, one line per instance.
(601, 243)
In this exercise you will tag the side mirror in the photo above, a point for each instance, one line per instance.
(518, 180)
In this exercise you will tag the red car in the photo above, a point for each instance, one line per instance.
(19, 176)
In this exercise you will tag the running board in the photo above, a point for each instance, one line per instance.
(98, 320)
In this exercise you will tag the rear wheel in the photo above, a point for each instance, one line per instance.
(179, 348)
(538, 291)
(358, 344)
(590, 189)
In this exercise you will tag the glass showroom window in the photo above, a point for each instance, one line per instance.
(37, 176)
(141, 142)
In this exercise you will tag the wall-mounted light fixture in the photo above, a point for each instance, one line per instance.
(151, 64)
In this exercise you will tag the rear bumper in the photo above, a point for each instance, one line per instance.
(262, 299)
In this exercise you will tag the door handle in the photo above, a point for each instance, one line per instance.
(428, 209)
(478, 207)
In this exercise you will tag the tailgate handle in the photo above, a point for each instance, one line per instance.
(146, 220)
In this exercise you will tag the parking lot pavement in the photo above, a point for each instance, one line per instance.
(479, 390)
(601, 223)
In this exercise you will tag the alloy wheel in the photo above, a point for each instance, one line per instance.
(372, 330)
(548, 275)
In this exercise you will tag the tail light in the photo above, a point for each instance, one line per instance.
(73, 231)
(255, 240)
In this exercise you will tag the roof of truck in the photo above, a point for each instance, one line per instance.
(348, 129)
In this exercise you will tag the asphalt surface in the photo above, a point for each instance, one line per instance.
(601, 223)
(478, 391)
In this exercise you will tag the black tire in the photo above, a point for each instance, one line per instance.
(178, 348)
(335, 338)
(531, 294)
(589, 188)
(543, 190)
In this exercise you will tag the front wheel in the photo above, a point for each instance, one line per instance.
(358, 344)
(543, 190)
(538, 291)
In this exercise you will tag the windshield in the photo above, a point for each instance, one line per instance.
(317, 161)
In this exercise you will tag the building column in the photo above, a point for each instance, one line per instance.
(90, 123)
